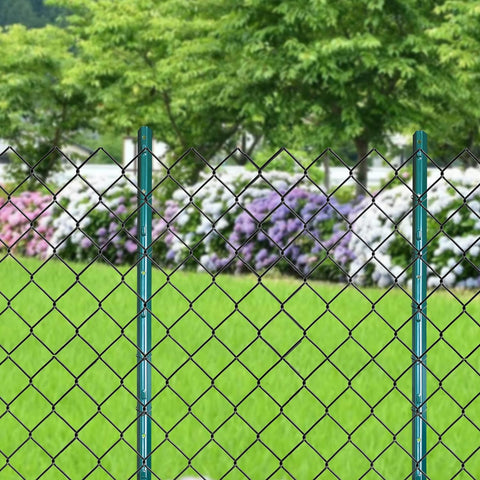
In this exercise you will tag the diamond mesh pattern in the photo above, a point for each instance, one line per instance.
(286, 355)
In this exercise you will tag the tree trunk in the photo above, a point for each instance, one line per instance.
(361, 144)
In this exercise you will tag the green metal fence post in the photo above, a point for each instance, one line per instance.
(419, 307)
(144, 292)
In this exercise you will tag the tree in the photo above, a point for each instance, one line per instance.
(302, 72)
(354, 70)
(40, 105)
(458, 38)
(162, 63)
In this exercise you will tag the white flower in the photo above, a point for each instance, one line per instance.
(433, 281)
(373, 228)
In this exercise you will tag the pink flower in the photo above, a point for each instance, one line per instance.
(15, 218)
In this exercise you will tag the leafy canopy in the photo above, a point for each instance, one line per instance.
(301, 73)
(40, 105)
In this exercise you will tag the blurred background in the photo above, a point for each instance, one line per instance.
(254, 74)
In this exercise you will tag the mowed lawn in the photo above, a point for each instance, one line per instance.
(273, 379)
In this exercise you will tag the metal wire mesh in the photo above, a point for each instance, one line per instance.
(281, 335)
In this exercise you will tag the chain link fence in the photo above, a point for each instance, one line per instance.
(254, 325)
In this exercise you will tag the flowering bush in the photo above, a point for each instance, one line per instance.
(249, 221)
(305, 228)
(203, 225)
(90, 223)
(79, 224)
(24, 224)
(453, 227)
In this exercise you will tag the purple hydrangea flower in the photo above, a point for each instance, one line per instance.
(301, 226)
(130, 246)
(85, 242)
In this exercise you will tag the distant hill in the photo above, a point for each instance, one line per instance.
(32, 13)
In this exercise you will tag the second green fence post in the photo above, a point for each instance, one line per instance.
(144, 307)
(419, 307)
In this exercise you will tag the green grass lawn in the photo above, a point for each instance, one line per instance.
(253, 384)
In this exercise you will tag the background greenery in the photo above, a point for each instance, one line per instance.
(304, 74)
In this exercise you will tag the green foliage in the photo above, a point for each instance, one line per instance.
(344, 71)
(345, 194)
(109, 141)
(302, 74)
(162, 64)
(41, 106)
(288, 72)
(458, 39)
